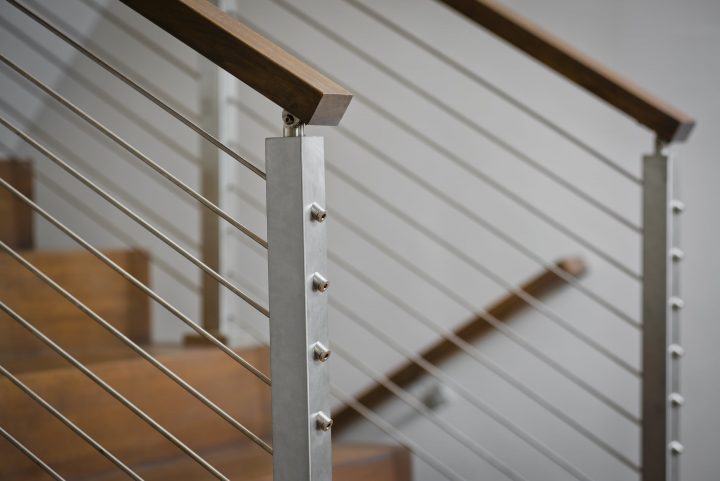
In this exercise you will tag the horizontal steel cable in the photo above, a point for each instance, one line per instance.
(490, 87)
(142, 38)
(130, 278)
(373, 418)
(78, 206)
(32, 456)
(429, 96)
(417, 405)
(120, 206)
(475, 172)
(99, 176)
(133, 151)
(464, 393)
(115, 394)
(495, 322)
(140, 351)
(137, 87)
(87, 39)
(459, 342)
(454, 204)
(466, 212)
(67, 197)
(52, 410)
(474, 353)
(89, 86)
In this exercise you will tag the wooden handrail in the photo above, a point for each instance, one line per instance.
(668, 123)
(221, 38)
(470, 331)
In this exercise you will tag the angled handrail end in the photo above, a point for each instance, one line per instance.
(251, 58)
(669, 123)
(503, 309)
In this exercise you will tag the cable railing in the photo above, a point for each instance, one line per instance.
(453, 338)
(312, 99)
(433, 325)
(636, 103)
(297, 261)
(467, 167)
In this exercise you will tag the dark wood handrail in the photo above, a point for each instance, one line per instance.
(282, 78)
(470, 331)
(668, 123)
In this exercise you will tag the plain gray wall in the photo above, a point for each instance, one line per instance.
(667, 47)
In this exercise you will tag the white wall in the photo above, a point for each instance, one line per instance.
(664, 46)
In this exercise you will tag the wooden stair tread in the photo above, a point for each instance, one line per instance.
(87, 278)
(16, 218)
(47, 359)
(350, 463)
(209, 370)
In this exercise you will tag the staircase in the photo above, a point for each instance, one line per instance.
(122, 433)
(452, 177)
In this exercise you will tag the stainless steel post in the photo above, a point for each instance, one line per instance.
(661, 399)
(298, 283)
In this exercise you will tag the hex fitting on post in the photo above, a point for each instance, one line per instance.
(676, 350)
(676, 447)
(323, 421)
(676, 303)
(320, 283)
(677, 254)
(676, 399)
(321, 352)
(678, 206)
(318, 213)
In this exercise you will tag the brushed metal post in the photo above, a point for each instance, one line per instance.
(661, 306)
(298, 309)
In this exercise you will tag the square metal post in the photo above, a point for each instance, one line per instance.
(297, 261)
(661, 351)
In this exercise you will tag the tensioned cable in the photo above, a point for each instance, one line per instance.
(475, 401)
(531, 300)
(430, 415)
(139, 74)
(98, 92)
(132, 150)
(78, 206)
(101, 178)
(208, 270)
(453, 203)
(66, 196)
(379, 422)
(468, 167)
(133, 280)
(462, 344)
(140, 351)
(425, 94)
(32, 456)
(477, 356)
(137, 87)
(115, 394)
(49, 408)
(539, 307)
(462, 209)
(489, 86)
(143, 39)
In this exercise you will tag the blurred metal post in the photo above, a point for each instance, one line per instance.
(661, 305)
(297, 263)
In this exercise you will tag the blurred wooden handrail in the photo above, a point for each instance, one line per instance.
(253, 59)
(669, 124)
(470, 331)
